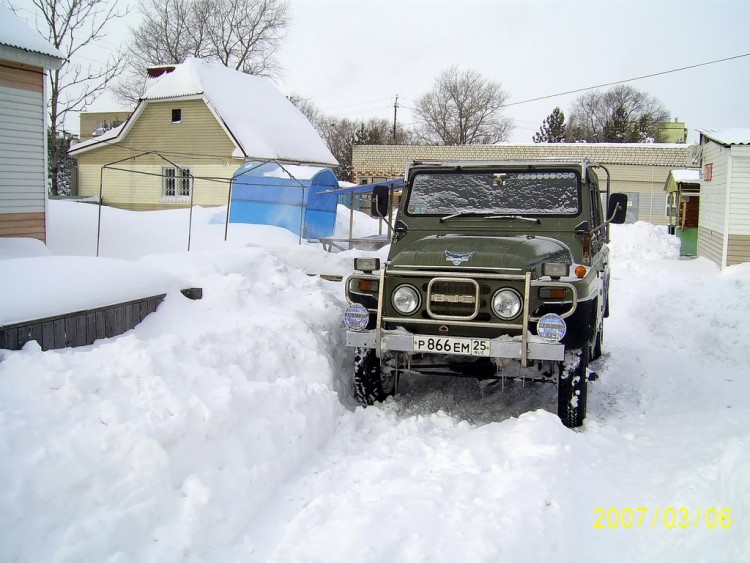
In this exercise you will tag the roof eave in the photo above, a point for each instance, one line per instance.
(92, 144)
(32, 58)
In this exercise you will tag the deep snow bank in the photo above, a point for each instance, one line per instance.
(217, 429)
(160, 445)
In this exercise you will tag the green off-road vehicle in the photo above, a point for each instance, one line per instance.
(496, 270)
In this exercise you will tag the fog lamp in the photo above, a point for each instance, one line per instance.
(555, 269)
(367, 264)
(551, 327)
(356, 317)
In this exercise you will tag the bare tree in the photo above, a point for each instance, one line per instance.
(463, 108)
(620, 114)
(71, 26)
(240, 34)
(341, 134)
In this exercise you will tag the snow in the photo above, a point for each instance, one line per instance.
(264, 122)
(686, 176)
(80, 283)
(728, 136)
(16, 33)
(223, 429)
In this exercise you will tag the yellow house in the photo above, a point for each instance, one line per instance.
(196, 123)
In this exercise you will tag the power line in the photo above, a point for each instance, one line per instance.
(626, 80)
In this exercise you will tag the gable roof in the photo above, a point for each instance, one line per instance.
(262, 122)
(15, 33)
(737, 136)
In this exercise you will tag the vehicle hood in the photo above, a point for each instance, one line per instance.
(519, 253)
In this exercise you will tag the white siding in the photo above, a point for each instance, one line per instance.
(714, 192)
(22, 174)
(739, 214)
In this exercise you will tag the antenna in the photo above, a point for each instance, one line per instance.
(395, 109)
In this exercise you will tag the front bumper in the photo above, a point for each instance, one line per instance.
(503, 348)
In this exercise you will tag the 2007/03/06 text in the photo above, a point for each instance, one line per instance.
(670, 517)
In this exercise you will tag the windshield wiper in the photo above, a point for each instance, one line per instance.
(463, 214)
(488, 216)
(520, 217)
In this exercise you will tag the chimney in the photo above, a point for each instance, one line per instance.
(157, 71)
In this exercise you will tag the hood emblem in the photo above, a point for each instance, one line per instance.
(458, 257)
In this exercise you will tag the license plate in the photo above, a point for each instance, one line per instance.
(452, 345)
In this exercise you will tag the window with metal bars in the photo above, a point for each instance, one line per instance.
(177, 183)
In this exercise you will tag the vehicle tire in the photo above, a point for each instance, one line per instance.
(372, 384)
(572, 387)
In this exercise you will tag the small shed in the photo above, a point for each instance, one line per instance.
(285, 195)
(724, 232)
(683, 204)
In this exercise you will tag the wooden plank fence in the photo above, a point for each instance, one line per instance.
(80, 328)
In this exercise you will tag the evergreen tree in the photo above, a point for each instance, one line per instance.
(552, 129)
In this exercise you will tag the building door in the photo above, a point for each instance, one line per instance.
(632, 214)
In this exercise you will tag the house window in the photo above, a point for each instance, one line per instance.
(177, 183)
(176, 115)
(708, 172)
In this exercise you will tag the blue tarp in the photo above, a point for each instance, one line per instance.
(397, 185)
(288, 197)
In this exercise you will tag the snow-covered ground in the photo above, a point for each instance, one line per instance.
(223, 429)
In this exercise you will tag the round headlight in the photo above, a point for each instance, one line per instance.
(405, 299)
(551, 327)
(356, 317)
(507, 304)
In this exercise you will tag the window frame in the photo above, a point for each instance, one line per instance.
(176, 184)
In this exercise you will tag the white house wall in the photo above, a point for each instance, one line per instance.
(739, 209)
(714, 192)
(21, 149)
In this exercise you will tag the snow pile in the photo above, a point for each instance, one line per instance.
(223, 429)
(642, 241)
(55, 285)
(164, 442)
(21, 248)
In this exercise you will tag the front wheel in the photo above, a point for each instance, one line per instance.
(572, 387)
(372, 384)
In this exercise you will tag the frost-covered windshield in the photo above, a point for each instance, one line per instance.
(507, 193)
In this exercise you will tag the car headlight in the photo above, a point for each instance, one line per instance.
(356, 317)
(551, 327)
(506, 304)
(405, 299)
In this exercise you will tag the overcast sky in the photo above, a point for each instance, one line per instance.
(352, 57)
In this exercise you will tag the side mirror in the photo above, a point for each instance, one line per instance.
(380, 201)
(617, 208)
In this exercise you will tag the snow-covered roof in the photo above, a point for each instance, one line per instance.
(16, 33)
(689, 176)
(262, 121)
(732, 136)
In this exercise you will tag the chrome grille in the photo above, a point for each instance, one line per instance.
(450, 298)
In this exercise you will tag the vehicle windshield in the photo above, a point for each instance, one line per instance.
(495, 193)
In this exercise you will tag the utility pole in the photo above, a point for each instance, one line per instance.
(395, 109)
